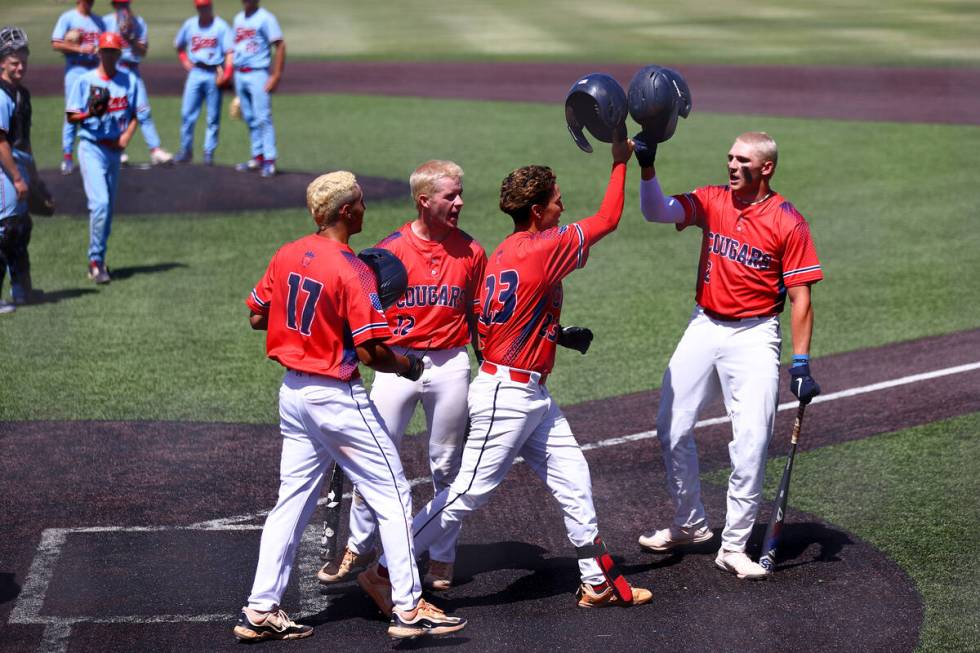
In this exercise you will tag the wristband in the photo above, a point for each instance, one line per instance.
(800, 359)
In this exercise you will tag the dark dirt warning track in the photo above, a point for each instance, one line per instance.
(127, 536)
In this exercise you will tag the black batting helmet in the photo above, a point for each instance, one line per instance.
(389, 272)
(657, 96)
(598, 103)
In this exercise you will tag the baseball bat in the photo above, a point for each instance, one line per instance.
(331, 521)
(775, 527)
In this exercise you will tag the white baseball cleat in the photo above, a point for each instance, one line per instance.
(736, 562)
(161, 157)
(670, 538)
(67, 166)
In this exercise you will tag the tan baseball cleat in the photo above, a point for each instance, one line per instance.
(255, 626)
(377, 587)
(588, 597)
(424, 619)
(336, 571)
(439, 577)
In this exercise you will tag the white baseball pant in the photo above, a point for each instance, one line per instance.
(323, 420)
(442, 390)
(741, 359)
(508, 419)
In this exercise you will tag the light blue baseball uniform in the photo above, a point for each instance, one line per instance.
(98, 156)
(15, 224)
(205, 48)
(129, 60)
(9, 204)
(253, 39)
(76, 64)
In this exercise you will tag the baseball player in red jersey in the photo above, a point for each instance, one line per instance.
(434, 320)
(756, 249)
(320, 306)
(511, 411)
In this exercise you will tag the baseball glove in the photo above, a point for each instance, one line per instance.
(73, 36)
(235, 109)
(126, 23)
(39, 200)
(98, 101)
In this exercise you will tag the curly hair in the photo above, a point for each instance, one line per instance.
(525, 187)
(327, 193)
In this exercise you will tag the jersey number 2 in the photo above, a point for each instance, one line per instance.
(313, 289)
(504, 293)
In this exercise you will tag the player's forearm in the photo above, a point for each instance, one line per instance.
(68, 48)
(801, 318)
(655, 206)
(76, 117)
(611, 209)
(279, 62)
(379, 357)
(127, 134)
(7, 162)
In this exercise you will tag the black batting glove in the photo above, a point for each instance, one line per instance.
(577, 338)
(415, 368)
(801, 384)
(644, 149)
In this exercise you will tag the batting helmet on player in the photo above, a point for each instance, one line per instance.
(390, 273)
(12, 39)
(598, 103)
(657, 96)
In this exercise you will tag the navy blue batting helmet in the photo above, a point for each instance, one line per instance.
(657, 96)
(597, 103)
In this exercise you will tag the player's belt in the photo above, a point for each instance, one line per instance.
(515, 374)
(718, 317)
(206, 66)
(247, 69)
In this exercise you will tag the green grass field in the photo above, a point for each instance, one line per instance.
(912, 494)
(892, 209)
(899, 32)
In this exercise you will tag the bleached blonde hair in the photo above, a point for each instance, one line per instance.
(423, 180)
(763, 144)
(327, 193)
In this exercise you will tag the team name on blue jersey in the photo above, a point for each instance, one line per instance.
(434, 295)
(733, 250)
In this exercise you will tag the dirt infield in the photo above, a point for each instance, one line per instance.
(214, 189)
(143, 536)
(931, 95)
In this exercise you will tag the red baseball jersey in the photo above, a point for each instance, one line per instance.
(521, 296)
(443, 284)
(750, 253)
(322, 301)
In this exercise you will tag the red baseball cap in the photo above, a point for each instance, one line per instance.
(202, 3)
(110, 41)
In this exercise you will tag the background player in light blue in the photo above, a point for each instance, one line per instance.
(204, 45)
(104, 135)
(256, 31)
(16, 166)
(132, 29)
(76, 35)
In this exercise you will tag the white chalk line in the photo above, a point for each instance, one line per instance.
(58, 629)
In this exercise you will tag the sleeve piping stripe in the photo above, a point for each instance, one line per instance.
(368, 327)
(581, 246)
(812, 268)
(255, 298)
